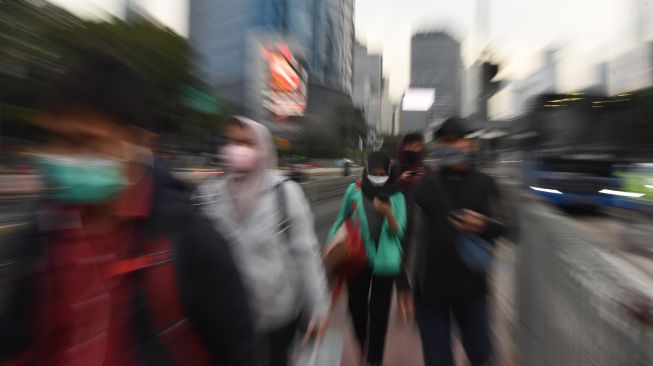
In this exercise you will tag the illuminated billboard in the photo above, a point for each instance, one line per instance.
(284, 94)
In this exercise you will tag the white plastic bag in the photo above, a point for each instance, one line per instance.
(328, 352)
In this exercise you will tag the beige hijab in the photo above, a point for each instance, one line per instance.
(246, 189)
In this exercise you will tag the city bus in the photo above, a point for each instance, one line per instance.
(578, 148)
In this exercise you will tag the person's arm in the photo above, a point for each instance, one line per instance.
(345, 211)
(399, 215)
(392, 223)
(305, 249)
(214, 295)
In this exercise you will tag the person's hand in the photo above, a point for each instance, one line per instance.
(316, 329)
(411, 176)
(382, 207)
(406, 304)
(471, 222)
(406, 177)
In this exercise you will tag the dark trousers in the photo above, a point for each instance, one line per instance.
(434, 322)
(278, 344)
(369, 305)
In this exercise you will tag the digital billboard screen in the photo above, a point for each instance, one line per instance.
(285, 92)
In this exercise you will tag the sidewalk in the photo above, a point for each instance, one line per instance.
(403, 346)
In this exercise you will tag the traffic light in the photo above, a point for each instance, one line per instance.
(489, 71)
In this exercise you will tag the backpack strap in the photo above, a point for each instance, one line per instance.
(282, 203)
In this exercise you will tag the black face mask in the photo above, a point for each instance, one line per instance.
(412, 156)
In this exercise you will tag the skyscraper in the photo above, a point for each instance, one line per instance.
(436, 63)
(320, 33)
(368, 84)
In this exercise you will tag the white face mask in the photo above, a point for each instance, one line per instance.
(378, 180)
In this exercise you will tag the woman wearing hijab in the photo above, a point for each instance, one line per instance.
(281, 264)
(381, 208)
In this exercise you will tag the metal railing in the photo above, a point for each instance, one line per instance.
(577, 303)
(326, 189)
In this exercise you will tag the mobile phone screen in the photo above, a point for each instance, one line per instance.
(456, 214)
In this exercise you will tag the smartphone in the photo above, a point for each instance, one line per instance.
(457, 215)
(383, 197)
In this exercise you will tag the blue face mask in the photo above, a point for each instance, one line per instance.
(451, 155)
(84, 180)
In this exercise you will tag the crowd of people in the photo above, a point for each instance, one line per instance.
(122, 264)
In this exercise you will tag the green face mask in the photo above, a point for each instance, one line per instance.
(83, 179)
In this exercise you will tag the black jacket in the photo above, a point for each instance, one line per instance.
(439, 274)
(210, 286)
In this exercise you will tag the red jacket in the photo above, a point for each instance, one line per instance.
(160, 288)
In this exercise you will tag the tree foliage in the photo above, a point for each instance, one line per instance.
(41, 40)
(337, 137)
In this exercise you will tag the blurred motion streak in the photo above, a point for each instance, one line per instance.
(557, 107)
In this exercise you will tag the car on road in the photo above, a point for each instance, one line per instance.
(341, 163)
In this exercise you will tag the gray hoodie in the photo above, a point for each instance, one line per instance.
(284, 279)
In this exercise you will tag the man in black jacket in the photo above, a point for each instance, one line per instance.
(118, 267)
(458, 200)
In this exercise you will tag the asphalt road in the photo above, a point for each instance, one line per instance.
(324, 214)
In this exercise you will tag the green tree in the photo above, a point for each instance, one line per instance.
(40, 40)
(336, 136)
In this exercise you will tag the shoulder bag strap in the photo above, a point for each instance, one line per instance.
(282, 203)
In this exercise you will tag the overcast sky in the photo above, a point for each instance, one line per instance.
(586, 31)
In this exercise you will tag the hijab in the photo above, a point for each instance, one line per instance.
(245, 189)
(376, 160)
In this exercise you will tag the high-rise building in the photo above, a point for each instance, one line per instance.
(368, 85)
(228, 35)
(436, 63)
(387, 110)
(370, 90)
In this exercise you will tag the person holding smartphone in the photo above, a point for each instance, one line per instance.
(410, 168)
(458, 200)
(381, 207)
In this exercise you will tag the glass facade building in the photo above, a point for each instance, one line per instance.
(323, 29)
(436, 63)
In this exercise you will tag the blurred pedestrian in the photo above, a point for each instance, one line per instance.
(457, 208)
(381, 210)
(411, 169)
(270, 226)
(117, 267)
